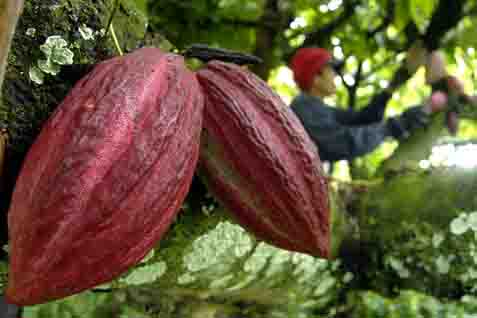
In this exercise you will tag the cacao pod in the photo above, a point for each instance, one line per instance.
(259, 162)
(105, 177)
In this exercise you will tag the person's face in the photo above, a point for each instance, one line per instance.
(324, 82)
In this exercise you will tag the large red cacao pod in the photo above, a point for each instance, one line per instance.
(259, 162)
(105, 177)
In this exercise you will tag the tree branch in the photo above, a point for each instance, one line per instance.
(241, 23)
(272, 23)
(446, 16)
(354, 88)
(387, 20)
(472, 11)
(316, 37)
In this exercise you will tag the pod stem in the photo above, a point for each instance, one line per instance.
(206, 54)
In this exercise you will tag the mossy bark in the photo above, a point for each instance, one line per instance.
(419, 146)
(409, 221)
(26, 105)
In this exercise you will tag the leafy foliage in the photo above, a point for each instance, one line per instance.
(408, 304)
(208, 21)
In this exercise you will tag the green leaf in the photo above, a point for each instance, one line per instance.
(141, 5)
(145, 274)
(464, 33)
(421, 12)
(84, 305)
(128, 312)
(402, 16)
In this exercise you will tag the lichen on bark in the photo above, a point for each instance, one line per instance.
(26, 105)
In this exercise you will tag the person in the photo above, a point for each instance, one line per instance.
(344, 134)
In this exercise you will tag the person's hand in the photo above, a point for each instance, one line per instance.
(435, 67)
(416, 57)
(436, 103)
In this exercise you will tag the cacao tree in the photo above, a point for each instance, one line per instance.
(402, 221)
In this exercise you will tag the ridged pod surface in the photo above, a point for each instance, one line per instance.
(105, 177)
(259, 162)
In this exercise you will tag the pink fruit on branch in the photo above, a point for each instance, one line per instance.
(105, 177)
(259, 162)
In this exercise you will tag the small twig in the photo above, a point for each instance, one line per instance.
(115, 39)
(113, 13)
(354, 88)
(315, 37)
(110, 27)
(102, 290)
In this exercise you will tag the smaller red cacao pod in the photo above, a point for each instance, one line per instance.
(105, 177)
(258, 160)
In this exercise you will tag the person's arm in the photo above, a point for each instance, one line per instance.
(372, 113)
(341, 142)
(336, 141)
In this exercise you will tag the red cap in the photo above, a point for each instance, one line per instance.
(306, 63)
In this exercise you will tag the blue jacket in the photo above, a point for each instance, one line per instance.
(341, 134)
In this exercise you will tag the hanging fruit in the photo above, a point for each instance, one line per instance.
(105, 177)
(260, 163)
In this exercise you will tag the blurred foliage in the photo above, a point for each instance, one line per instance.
(373, 38)
(409, 304)
(439, 260)
(207, 21)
